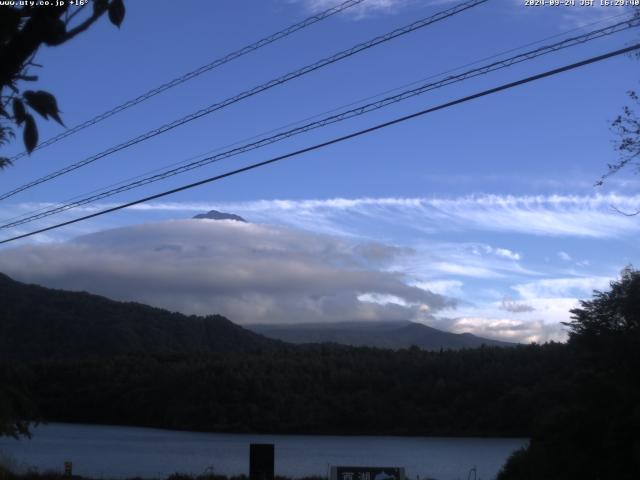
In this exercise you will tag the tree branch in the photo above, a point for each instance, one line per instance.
(82, 27)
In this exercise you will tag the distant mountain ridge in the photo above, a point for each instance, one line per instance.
(392, 334)
(216, 215)
(39, 323)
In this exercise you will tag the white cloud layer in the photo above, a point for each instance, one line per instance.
(546, 215)
(585, 216)
(508, 329)
(250, 273)
(262, 272)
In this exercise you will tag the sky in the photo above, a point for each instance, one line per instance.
(479, 218)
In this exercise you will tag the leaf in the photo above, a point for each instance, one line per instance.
(30, 133)
(54, 31)
(44, 103)
(9, 23)
(116, 12)
(99, 6)
(19, 112)
(5, 162)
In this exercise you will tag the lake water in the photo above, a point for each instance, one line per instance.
(120, 452)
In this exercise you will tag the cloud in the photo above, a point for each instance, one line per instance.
(506, 253)
(576, 287)
(507, 329)
(580, 216)
(564, 256)
(543, 215)
(273, 271)
(451, 288)
(359, 11)
(512, 306)
(250, 273)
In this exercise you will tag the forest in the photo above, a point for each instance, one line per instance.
(578, 402)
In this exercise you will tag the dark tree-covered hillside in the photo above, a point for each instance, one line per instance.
(597, 434)
(325, 389)
(42, 323)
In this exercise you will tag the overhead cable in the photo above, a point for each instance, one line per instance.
(354, 112)
(333, 141)
(254, 91)
(196, 73)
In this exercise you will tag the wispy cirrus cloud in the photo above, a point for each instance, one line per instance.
(547, 215)
(562, 287)
(365, 8)
(587, 216)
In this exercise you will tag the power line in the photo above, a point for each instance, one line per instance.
(361, 110)
(318, 115)
(254, 91)
(335, 109)
(197, 72)
(343, 138)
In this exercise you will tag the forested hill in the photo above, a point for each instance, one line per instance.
(39, 323)
(394, 335)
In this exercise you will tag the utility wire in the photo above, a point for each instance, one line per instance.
(529, 55)
(254, 91)
(319, 115)
(343, 138)
(197, 72)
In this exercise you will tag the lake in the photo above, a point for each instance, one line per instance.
(119, 452)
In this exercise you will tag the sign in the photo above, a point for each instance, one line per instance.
(367, 473)
(68, 466)
(261, 461)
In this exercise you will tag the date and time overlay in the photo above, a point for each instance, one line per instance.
(525, 3)
(581, 3)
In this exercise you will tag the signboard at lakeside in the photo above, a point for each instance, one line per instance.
(367, 473)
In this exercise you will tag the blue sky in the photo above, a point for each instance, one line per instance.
(488, 207)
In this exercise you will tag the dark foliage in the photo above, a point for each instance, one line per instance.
(626, 127)
(23, 30)
(90, 359)
(41, 323)
(595, 435)
(17, 410)
(314, 389)
(6, 474)
(609, 314)
(578, 402)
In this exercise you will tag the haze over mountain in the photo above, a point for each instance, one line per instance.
(393, 334)
(43, 323)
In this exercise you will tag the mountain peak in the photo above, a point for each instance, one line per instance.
(385, 334)
(216, 215)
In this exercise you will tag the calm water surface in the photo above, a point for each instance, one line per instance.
(119, 452)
